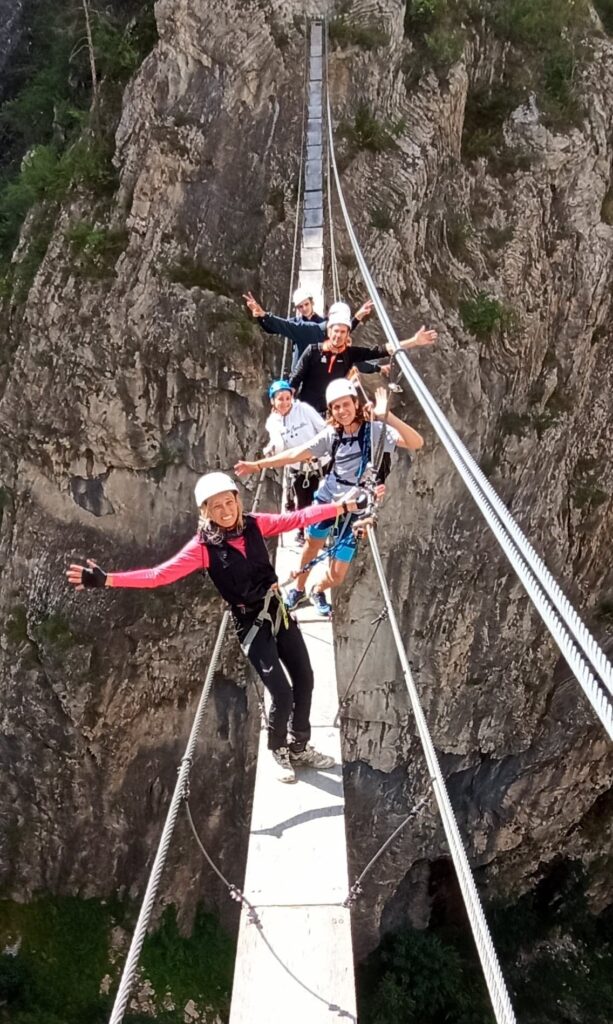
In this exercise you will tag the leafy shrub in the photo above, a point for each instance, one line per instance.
(605, 13)
(63, 954)
(46, 145)
(16, 629)
(381, 219)
(416, 978)
(484, 314)
(194, 275)
(516, 423)
(120, 49)
(445, 45)
(458, 229)
(199, 967)
(436, 28)
(97, 249)
(487, 108)
(422, 15)
(607, 207)
(55, 631)
(538, 23)
(368, 133)
(342, 32)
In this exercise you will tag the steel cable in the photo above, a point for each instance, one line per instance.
(479, 487)
(499, 996)
(131, 964)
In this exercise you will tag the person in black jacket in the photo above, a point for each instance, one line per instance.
(307, 327)
(333, 359)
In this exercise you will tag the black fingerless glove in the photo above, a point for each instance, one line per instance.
(95, 577)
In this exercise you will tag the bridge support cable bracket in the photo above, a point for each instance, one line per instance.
(499, 996)
(564, 624)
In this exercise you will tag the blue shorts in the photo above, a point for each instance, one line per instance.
(348, 546)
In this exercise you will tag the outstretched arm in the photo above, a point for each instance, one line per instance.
(420, 339)
(409, 438)
(191, 558)
(285, 458)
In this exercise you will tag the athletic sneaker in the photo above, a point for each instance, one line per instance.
(311, 758)
(294, 597)
(321, 606)
(284, 771)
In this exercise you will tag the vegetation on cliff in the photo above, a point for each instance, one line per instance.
(59, 965)
(557, 958)
(57, 128)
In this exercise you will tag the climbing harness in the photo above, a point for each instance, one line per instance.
(356, 494)
(280, 618)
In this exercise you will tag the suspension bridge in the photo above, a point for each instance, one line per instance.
(294, 957)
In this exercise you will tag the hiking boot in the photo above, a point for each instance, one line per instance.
(284, 771)
(311, 758)
(321, 606)
(294, 597)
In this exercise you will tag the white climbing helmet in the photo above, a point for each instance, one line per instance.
(301, 295)
(211, 484)
(339, 313)
(340, 388)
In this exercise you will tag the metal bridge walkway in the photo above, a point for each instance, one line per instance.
(296, 964)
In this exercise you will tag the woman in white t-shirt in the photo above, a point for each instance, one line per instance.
(293, 424)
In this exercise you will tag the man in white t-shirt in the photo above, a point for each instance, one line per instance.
(349, 444)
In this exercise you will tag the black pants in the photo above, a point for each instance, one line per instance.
(304, 487)
(291, 705)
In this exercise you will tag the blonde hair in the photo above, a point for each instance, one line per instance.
(212, 533)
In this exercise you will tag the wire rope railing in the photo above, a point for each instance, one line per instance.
(562, 621)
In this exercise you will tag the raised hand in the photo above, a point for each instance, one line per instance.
(365, 310)
(380, 406)
(420, 339)
(245, 468)
(253, 305)
(90, 575)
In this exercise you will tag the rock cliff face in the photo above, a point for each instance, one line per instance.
(117, 392)
(10, 21)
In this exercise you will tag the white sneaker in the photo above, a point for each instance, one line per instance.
(311, 758)
(284, 771)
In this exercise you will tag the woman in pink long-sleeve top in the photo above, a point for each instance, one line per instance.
(230, 546)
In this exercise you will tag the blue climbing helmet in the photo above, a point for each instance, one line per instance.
(278, 385)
